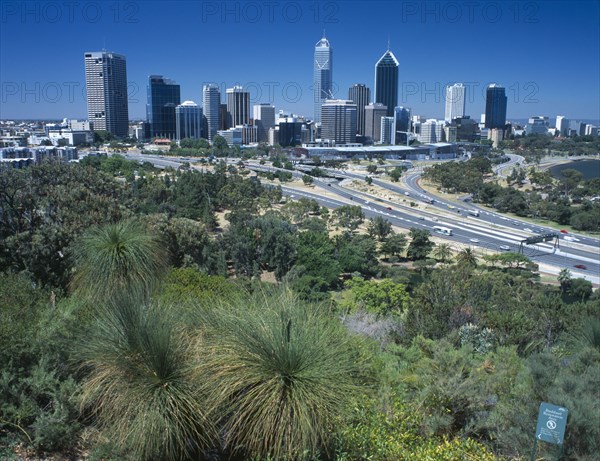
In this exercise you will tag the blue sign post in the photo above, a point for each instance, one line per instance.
(551, 424)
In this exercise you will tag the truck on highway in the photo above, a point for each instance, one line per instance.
(474, 213)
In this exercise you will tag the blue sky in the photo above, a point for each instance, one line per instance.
(546, 53)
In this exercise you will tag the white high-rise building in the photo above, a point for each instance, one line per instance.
(264, 119)
(432, 131)
(562, 125)
(188, 121)
(388, 130)
(323, 75)
(455, 101)
(338, 121)
(211, 97)
(106, 86)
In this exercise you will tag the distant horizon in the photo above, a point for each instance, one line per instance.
(270, 49)
(508, 120)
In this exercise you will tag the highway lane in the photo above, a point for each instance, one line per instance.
(412, 179)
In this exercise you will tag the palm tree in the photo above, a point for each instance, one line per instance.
(467, 257)
(279, 374)
(443, 252)
(114, 259)
(564, 278)
(141, 385)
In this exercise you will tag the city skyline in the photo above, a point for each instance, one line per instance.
(537, 82)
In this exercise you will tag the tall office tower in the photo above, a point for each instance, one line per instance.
(163, 98)
(373, 114)
(211, 100)
(238, 106)
(338, 121)
(388, 130)
(562, 125)
(402, 121)
(495, 106)
(106, 86)
(361, 95)
(323, 75)
(386, 82)
(264, 119)
(189, 121)
(455, 101)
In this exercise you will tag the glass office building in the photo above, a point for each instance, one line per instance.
(163, 98)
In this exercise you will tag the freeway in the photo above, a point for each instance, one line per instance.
(464, 233)
(489, 231)
(467, 229)
(412, 183)
(513, 161)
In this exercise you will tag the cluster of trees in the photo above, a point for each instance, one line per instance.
(534, 147)
(153, 337)
(565, 201)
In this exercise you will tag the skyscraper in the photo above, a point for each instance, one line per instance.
(163, 98)
(323, 75)
(189, 121)
(338, 118)
(361, 95)
(386, 82)
(264, 119)
(211, 100)
(373, 114)
(402, 123)
(106, 86)
(238, 106)
(562, 125)
(388, 131)
(495, 106)
(455, 101)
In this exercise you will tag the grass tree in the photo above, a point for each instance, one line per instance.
(115, 259)
(280, 374)
(140, 383)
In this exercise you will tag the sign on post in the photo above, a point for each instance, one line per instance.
(551, 423)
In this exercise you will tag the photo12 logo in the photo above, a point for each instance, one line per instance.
(469, 12)
(424, 92)
(269, 12)
(70, 12)
(54, 92)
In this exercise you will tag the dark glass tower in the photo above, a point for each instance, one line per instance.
(386, 82)
(495, 106)
(402, 115)
(106, 87)
(163, 98)
(361, 95)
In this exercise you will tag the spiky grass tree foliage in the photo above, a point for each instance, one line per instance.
(115, 259)
(278, 375)
(141, 385)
